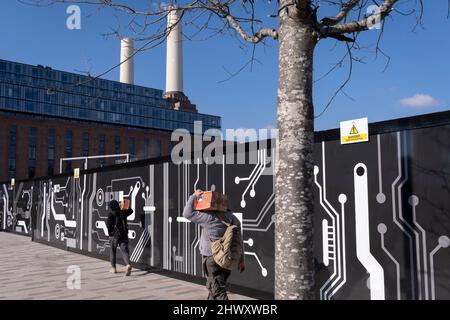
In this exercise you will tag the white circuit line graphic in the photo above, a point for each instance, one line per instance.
(139, 249)
(5, 209)
(263, 270)
(166, 262)
(394, 211)
(6, 213)
(409, 226)
(331, 233)
(91, 201)
(44, 212)
(61, 217)
(47, 209)
(254, 223)
(188, 260)
(414, 202)
(102, 225)
(198, 174)
(375, 270)
(254, 176)
(23, 225)
(342, 200)
(196, 240)
(443, 242)
(382, 229)
(82, 211)
(149, 211)
(409, 230)
(381, 197)
(29, 193)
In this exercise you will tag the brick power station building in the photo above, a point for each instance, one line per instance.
(48, 114)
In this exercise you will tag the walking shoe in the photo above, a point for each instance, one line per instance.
(113, 270)
(128, 270)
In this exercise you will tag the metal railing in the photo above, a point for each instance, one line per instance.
(86, 158)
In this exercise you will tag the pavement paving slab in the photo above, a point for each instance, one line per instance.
(34, 271)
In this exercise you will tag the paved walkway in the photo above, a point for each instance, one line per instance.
(31, 270)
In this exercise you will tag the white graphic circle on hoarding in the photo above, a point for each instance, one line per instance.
(342, 198)
(100, 197)
(57, 231)
(444, 241)
(413, 200)
(381, 198)
(264, 272)
(382, 228)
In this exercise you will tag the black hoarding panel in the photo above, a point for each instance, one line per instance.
(382, 221)
(381, 216)
(16, 205)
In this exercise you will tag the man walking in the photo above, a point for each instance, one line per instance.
(213, 228)
(118, 235)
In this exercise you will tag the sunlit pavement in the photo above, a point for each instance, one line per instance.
(31, 270)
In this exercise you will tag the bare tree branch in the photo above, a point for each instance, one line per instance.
(342, 86)
(345, 9)
(223, 10)
(360, 25)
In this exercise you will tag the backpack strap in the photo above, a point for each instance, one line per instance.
(221, 217)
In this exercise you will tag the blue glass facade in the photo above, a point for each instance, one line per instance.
(12, 151)
(47, 92)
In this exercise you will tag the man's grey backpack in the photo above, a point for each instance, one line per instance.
(227, 251)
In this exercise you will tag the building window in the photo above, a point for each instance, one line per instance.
(158, 148)
(51, 151)
(68, 150)
(117, 144)
(172, 144)
(146, 148)
(131, 147)
(85, 144)
(101, 148)
(12, 151)
(32, 153)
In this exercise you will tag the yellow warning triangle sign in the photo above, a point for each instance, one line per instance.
(353, 130)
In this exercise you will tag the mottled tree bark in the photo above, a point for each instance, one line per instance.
(294, 264)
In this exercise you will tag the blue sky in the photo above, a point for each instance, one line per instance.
(415, 82)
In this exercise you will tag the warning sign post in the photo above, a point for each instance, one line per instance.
(353, 131)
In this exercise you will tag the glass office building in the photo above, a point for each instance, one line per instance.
(48, 115)
(43, 91)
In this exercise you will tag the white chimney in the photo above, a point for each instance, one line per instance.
(127, 67)
(174, 63)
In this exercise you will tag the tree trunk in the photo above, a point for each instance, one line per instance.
(294, 261)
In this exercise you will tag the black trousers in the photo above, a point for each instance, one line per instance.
(216, 279)
(123, 244)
